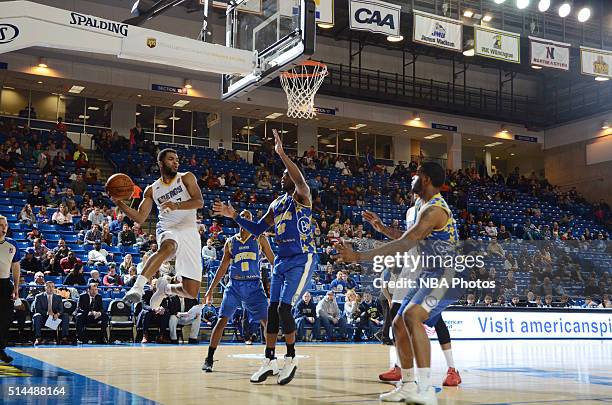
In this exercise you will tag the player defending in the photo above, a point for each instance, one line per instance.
(435, 233)
(452, 378)
(241, 255)
(291, 216)
(177, 197)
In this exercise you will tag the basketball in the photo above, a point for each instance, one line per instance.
(120, 186)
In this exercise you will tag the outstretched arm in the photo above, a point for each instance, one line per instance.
(302, 191)
(144, 209)
(266, 249)
(225, 262)
(374, 220)
(254, 228)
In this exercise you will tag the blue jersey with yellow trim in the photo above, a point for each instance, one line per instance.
(245, 258)
(442, 241)
(293, 227)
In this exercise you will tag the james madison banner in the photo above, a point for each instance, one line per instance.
(551, 54)
(375, 16)
(596, 62)
(497, 44)
(437, 31)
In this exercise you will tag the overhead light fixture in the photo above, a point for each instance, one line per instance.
(602, 78)
(39, 82)
(504, 129)
(76, 89)
(93, 108)
(42, 63)
(468, 13)
(181, 103)
(187, 84)
(490, 145)
(238, 108)
(496, 157)
(283, 131)
(544, 5)
(137, 114)
(174, 118)
(564, 9)
(512, 154)
(348, 139)
(274, 116)
(325, 26)
(248, 127)
(433, 136)
(605, 125)
(499, 1)
(8, 87)
(468, 49)
(145, 105)
(138, 95)
(416, 116)
(357, 126)
(86, 117)
(319, 135)
(330, 146)
(584, 14)
(487, 18)
(536, 67)
(395, 38)
(469, 139)
(162, 126)
(522, 4)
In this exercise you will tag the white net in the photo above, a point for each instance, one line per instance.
(301, 85)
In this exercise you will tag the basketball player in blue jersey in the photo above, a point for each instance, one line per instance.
(435, 234)
(291, 216)
(241, 255)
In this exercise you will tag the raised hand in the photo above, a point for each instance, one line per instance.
(278, 144)
(373, 219)
(222, 209)
(345, 253)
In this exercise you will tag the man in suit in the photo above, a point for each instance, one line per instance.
(91, 311)
(150, 316)
(48, 304)
(179, 311)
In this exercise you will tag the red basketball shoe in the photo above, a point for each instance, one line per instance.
(393, 374)
(452, 379)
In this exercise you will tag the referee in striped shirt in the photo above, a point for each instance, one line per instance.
(9, 263)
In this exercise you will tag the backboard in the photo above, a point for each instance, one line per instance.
(280, 32)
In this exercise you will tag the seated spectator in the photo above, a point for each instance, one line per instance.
(48, 304)
(95, 278)
(531, 300)
(591, 288)
(370, 318)
(589, 303)
(52, 199)
(351, 307)
(503, 234)
(339, 284)
(93, 235)
(548, 300)
(495, 249)
(264, 184)
(125, 265)
(76, 276)
(92, 174)
(40, 250)
(112, 279)
(97, 217)
(37, 285)
(184, 311)
(149, 316)
(330, 316)
(79, 186)
(50, 265)
(305, 314)
(107, 236)
(42, 217)
(126, 236)
(209, 317)
(487, 302)
(209, 252)
(91, 312)
(26, 216)
(97, 255)
(546, 288)
(130, 278)
(215, 227)
(470, 300)
(36, 199)
(14, 182)
(605, 302)
(510, 263)
(69, 262)
(29, 263)
(62, 217)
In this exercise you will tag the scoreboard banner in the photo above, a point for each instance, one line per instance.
(497, 44)
(550, 54)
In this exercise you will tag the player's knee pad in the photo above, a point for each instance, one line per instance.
(273, 322)
(442, 332)
(286, 318)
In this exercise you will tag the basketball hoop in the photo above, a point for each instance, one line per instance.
(301, 84)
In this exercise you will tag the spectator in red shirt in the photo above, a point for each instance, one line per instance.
(215, 228)
(112, 278)
(60, 126)
(68, 262)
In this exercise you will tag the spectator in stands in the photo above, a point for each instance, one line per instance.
(40, 250)
(48, 304)
(62, 217)
(14, 182)
(487, 302)
(69, 262)
(503, 234)
(112, 279)
(209, 252)
(515, 302)
(491, 230)
(510, 282)
(548, 299)
(80, 154)
(264, 183)
(36, 199)
(351, 307)
(97, 217)
(91, 312)
(92, 174)
(82, 226)
(546, 288)
(93, 235)
(470, 300)
(125, 265)
(530, 231)
(495, 249)
(589, 303)
(184, 311)
(52, 199)
(60, 126)
(30, 264)
(79, 186)
(95, 278)
(97, 255)
(126, 236)
(339, 284)
(138, 134)
(605, 302)
(130, 278)
(6, 163)
(330, 316)
(531, 302)
(215, 227)
(305, 314)
(50, 267)
(370, 317)
(149, 316)
(116, 224)
(26, 216)
(76, 276)
(592, 289)
(107, 236)
(42, 217)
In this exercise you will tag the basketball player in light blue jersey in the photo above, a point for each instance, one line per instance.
(291, 216)
(241, 255)
(435, 234)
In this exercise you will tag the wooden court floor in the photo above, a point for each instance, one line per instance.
(493, 372)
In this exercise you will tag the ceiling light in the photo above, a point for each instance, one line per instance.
(348, 139)
(93, 108)
(274, 116)
(496, 157)
(39, 82)
(137, 114)
(42, 63)
(319, 135)
(433, 136)
(584, 14)
(325, 26)
(416, 116)
(138, 95)
(602, 78)
(76, 89)
(330, 146)
(8, 87)
(487, 18)
(284, 131)
(187, 84)
(162, 126)
(395, 38)
(469, 139)
(356, 126)
(145, 105)
(499, 1)
(490, 145)
(174, 118)
(565, 9)
(512, 154)
(84, 117)
(504, 129)
(521, 4)
(543, 5)
(238, 108)
(181, 103)
(248, 127)
(468, 49)
(468, 13)
(605, 125)
(536, 67)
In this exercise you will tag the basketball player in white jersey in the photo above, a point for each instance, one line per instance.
(178, 197)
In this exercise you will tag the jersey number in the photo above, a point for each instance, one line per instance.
(244, 266)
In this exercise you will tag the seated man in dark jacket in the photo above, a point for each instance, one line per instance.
(184, 311)
(370, 318)
(149, 316)
(91, 312)
(48, 304)
(305, 314)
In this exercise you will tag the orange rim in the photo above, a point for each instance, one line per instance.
(291, 75)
